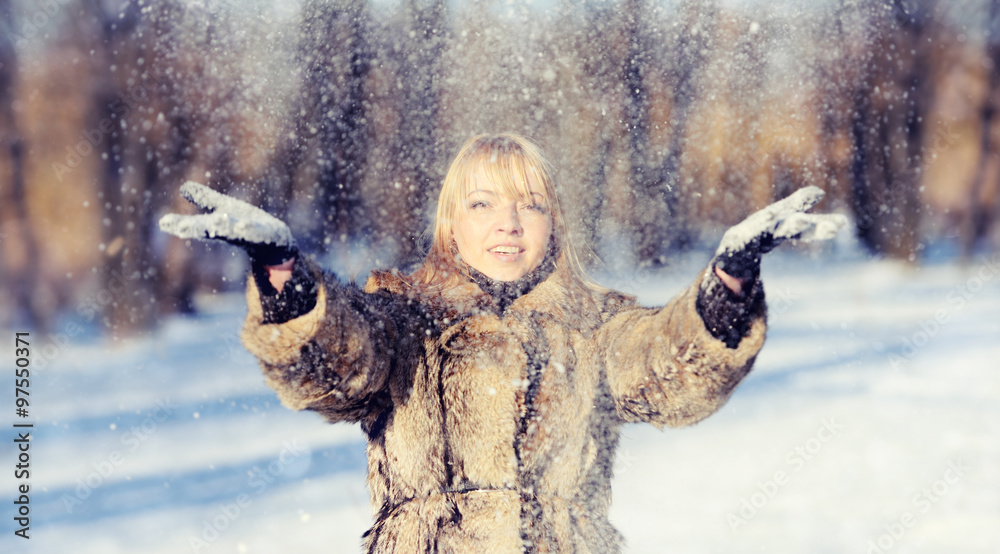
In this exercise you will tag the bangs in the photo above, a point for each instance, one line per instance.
(508, 167)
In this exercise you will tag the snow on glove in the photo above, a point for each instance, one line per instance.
(266, 238)
(743, 244)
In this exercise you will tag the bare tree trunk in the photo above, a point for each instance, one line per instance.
(337, 57)
(890, 107)
(594, 200)
(128, 183)
(600, 76)
(835, 76)
(650, 213)
(864, 206)
(688, 58)
(748, 176)
(907, 164)
(21, 280)
(983, 201)
(177, 281)
(417, 150)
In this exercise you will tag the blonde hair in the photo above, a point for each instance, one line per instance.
(506, 160)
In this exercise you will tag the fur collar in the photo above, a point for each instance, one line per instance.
(506, 292)
(555, 296)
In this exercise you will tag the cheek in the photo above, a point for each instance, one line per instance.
(458, 234)
(464, 232)
(541, 231)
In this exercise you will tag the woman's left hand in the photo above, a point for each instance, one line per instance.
(739, 253)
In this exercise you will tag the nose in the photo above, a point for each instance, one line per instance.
(508, 220)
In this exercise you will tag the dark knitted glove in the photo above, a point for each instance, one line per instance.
(297, 297)
(727, 314)
(743, 244)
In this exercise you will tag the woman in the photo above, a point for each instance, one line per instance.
(492, 382)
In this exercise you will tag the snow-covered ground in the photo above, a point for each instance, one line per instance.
(871, 423)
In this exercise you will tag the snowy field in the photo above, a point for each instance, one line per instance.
(871, 423)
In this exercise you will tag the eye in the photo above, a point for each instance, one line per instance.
(478, 204)
(535, 207)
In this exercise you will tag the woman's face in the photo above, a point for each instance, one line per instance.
(501, 236)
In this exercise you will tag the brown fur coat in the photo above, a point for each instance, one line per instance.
(487, 432)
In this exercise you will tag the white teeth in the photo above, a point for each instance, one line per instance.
(506, 250)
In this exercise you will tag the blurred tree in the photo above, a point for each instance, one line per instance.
(144, 137)
(19, 256)
(177, 126)
(591, 33)
(330, 117)
(651, 210)
(340, 118)
(984, 196)
(752, 152)
(416, 157)
(837, 74)
(662, 224)
(891, 103)
(125, 259)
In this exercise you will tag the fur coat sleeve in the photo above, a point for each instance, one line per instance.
(334, 359)
(664, 366)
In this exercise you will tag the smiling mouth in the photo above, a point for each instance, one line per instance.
(506, 250)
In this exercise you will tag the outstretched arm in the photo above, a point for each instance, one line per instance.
(323, 346)
(678, 364)
(666, 367)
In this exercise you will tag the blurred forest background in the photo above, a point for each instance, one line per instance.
(667, 120)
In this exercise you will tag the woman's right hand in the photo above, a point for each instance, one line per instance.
(267, 239)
